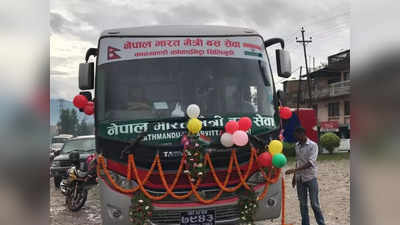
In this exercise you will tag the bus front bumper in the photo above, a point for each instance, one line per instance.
(115, 207)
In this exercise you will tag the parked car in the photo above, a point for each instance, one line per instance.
(57, 143)
(85, 145)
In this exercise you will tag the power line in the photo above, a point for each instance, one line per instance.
(326, 31)
(320, 21)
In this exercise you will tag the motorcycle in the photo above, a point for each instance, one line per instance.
(78, 181)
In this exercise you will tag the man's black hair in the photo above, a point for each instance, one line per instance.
(300, 130)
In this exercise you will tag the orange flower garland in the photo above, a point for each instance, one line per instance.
(269, 179)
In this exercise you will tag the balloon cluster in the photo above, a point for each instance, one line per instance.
(194, 125)
(285, 112)
(273, 157)
(81, 102)
(235, 132)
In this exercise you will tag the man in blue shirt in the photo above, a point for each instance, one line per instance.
(305, 176)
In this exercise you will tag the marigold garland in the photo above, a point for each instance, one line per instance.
(194, 186)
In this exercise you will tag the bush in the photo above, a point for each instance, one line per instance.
(329, 141)
(289, 149)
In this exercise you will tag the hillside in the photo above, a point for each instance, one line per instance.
(55, 105)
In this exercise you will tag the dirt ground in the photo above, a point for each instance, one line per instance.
(60, 215)
(334, 195)
(334, 185)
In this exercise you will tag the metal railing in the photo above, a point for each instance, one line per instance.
(340, 88)
(333, 90)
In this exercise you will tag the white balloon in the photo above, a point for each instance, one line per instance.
(227, 140)
(193, 111)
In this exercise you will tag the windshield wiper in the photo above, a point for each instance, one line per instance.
(263, 73)
(132, 144)
(260, 142)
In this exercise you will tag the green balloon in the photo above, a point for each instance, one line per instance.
(279, 160)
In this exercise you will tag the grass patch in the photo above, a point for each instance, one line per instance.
(334, 156)
(324, 157)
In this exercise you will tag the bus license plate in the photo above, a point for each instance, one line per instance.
(198, 217)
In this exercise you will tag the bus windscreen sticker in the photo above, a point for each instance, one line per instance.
(118, 49)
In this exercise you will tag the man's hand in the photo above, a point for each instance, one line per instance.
(294, 182)
(290, 171)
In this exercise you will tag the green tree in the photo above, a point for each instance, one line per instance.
(330, 141)
(68, 122)
(84, 128)
(289, 149)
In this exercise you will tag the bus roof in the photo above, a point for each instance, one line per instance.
(180, 30)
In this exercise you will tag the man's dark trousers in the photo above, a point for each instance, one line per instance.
(303, 188)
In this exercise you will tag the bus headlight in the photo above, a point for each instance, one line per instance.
(122, 181)
(127, 184)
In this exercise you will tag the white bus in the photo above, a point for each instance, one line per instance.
(145, 79)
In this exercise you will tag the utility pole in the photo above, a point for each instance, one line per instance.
(299, 91)
(305, 59)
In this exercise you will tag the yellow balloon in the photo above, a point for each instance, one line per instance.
(194, 125)
(275, 147)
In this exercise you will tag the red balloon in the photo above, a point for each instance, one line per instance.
(89, 108)
(244, 123)
(285, 112)
(80, 101)
(264, 159)
(231, 126)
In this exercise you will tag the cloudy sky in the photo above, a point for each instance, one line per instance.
(76, 24)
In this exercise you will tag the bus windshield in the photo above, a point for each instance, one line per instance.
(159, 88)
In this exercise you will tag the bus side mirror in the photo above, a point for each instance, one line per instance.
(283, 63)
(86, 76)
(281, 97)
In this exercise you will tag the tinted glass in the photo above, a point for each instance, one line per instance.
(163, 87)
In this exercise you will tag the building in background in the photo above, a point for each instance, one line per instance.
(330, 91)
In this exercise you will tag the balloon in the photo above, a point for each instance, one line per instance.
(231, 126)
(194, 125)
(80, 101)
(89, 108)
(264, 159)
(240, 138)
(279, 160)
(193, 111)
(227, 140)
(244, 123)
(275, 147)
(285, 112)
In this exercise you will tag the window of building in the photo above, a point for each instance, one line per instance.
(346, 76)
(333, 109)
(346, 108)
